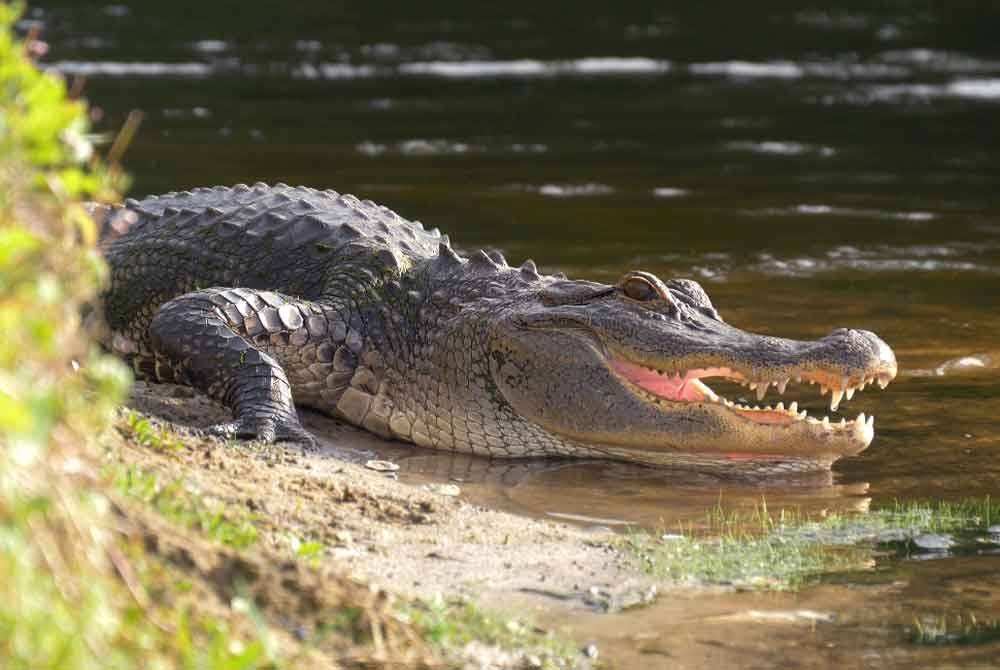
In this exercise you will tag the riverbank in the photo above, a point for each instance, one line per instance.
(353, 522)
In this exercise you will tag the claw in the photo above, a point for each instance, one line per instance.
(266, 430)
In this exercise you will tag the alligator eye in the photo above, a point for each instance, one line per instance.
(639, 288)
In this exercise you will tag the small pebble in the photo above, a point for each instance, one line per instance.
(590, 651)
(933, 542)
(382, 466)
(597, 530)
(442, 489)
(893, 535)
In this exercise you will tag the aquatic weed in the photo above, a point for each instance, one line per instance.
(761, 549)
(958, 630)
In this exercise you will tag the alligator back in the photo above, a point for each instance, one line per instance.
(279, 238)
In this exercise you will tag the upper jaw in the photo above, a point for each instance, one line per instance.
(841, 364)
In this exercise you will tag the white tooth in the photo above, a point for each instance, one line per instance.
(757, 407)
(823, 389)
(812, 420)
(835, 397)
(843, 423)
(761, 391)
(804, 414)
(826, 422)
(871, 421)
(868, 435)
(752, 385)
(781, 406)
(782, 385)
(794, 408)
(883, 381)
(849, 393)
(860, 421)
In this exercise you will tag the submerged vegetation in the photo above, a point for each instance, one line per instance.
(957, 629)
(781, 550)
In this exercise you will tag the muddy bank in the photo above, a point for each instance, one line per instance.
(400, 536)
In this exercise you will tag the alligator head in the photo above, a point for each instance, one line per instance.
(627, 369)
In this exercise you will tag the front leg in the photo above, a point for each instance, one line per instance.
(217, 341)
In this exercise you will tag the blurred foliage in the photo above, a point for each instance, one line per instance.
(65, 597)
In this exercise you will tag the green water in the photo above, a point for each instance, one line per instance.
(813, 167)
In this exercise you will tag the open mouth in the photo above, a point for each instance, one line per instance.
(688, 387)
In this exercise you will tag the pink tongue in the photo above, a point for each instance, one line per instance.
(671, 388)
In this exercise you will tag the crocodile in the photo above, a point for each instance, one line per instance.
(267, 297)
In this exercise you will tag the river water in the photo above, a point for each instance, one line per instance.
(813, 167)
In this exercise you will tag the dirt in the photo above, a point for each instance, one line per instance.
(394, 535)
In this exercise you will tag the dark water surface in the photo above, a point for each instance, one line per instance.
(812, 166)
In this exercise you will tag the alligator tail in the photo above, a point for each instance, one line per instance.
(112, 221)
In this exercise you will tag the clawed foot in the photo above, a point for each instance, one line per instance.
(266, 430)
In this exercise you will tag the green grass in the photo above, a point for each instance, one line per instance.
(953, 630)
(138, 428)
(450, 624)
(761, 549)
(233, 527)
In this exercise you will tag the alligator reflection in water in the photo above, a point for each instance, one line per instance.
(591, 493)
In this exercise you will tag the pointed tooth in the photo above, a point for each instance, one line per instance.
(761, 391)
(780, 406)
(826, 422)
(860, 421)
(850, 393)
(871, 421)
(843, 422)
(782, 385)
(752, 385)
(835, 397)
(823, 389)
(794, 407)
(803, 414)
(883, 381)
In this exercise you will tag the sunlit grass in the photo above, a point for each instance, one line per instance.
(953, 630)
(138, 428)
(450, 624)
(783, 549)
(233, 527)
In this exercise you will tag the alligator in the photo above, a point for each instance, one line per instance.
(264, 297)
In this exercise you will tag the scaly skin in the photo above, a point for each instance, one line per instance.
(264, 297)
